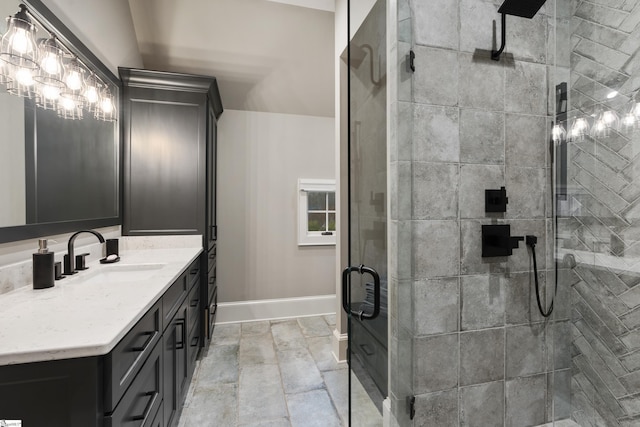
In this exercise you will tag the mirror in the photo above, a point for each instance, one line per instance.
(56, 174)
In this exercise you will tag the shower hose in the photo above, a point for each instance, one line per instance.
(531, 242)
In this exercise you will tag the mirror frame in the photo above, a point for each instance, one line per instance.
(64, 34)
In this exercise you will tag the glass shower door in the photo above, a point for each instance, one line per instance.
(598, 218)
(365, 278)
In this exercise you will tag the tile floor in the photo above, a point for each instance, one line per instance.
(273, 374)
(562, 423)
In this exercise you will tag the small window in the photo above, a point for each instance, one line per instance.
(316, 212)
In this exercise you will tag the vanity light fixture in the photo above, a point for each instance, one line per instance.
(558, 133)
(92, 88)
(68, 109)
(631, 119)
(605, 122)
(73, 92)
(50, 74)
(73, 76)
(5, 74)
(40, 71)
(19, 43)
(51, 70)
(106, 110)
(22, 83)
(579, 129)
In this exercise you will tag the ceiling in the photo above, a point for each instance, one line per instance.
(267, 55)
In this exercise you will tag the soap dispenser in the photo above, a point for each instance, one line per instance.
(43, 267)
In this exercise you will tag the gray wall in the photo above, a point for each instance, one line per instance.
(267, 56)
(260, 158)
(105, 27)
(599, 222)
(467, 337)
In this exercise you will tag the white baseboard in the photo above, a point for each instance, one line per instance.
(386, 413)
(339, 344)
(270, 309)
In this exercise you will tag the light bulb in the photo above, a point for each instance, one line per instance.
(609, 118)
(606, 121)
(91, 94)
(558, 133)
(50, 92)
(67, 104)
(24, 76)
(20, 41)
(630, 119)
(50, 64)
(74, 80)
(579, 128)
(106, 105)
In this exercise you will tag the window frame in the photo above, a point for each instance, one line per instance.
(305, 186)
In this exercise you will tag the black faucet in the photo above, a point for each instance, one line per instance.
(69, 260)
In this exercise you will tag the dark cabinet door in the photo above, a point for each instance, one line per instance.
(165, 162)
(142, 401)
(61, 393)
(212, 146)
(194, 326)
(170, 157)
(176, 365)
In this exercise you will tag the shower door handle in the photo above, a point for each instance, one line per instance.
(346, 290)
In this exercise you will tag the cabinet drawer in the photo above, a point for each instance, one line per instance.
(211, 257)
(193, 306)
(211, 313)
(193, 273)
(194, 344)
(143, 400)
(172, 299)
(371, 353)
(211, 283)
(125, 360)
(158, 421)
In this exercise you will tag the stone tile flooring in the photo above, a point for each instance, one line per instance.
(561, 423)
(273, 374)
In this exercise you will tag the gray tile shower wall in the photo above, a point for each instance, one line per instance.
(600, 218)
(467, 335)
(605, 386)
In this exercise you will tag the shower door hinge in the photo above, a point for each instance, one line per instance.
(411, 406)
(412, 57)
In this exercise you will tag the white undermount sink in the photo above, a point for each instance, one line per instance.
(120, 273)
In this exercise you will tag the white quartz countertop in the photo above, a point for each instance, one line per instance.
(79, 317)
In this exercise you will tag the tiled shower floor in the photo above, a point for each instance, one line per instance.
(561, 423)
(273, 374)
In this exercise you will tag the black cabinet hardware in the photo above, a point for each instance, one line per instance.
(143, 347)
(153, 395)
(180, 340)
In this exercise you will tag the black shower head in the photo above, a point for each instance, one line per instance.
(522, 8)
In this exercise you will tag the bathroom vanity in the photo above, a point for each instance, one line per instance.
(115, 345)
(112, 346)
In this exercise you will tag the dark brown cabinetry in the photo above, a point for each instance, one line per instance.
(170, 141)
(142, 382)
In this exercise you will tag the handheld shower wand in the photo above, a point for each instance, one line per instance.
(531, 242)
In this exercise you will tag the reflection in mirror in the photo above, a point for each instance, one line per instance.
(59, 150)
